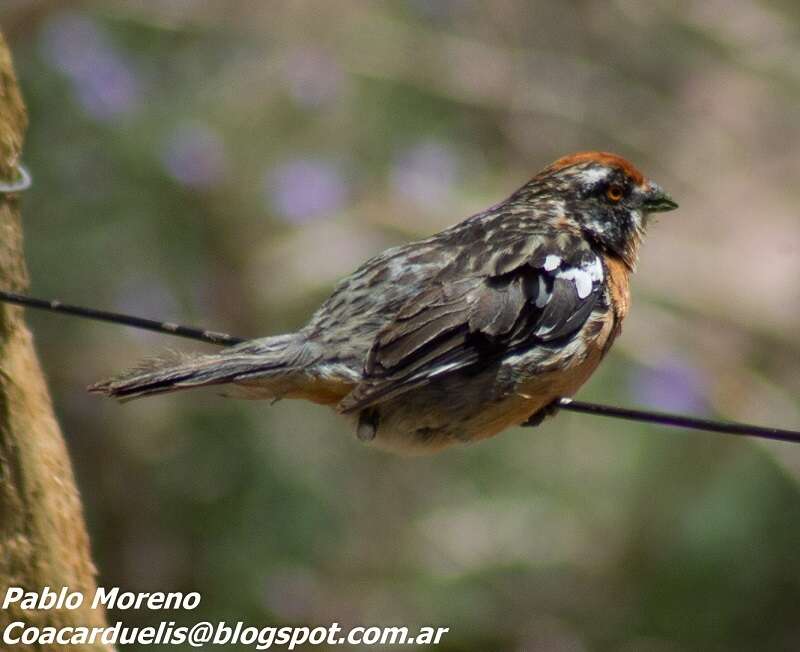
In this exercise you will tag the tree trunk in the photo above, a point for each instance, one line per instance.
(43, 540)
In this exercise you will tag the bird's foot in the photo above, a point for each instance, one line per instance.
(549, 410)
(368, 422)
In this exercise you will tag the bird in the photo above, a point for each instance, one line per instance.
(456, 337)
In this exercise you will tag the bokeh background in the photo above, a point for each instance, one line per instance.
(223, 163)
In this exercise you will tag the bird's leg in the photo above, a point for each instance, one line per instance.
(549, 410)
(368, 422)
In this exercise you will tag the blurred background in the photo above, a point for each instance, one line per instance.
(224, 163)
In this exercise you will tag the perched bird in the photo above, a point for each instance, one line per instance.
(459, 336)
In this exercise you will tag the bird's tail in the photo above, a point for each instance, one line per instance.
(176, 371)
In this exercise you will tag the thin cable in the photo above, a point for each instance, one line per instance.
(213, 337)
(167, 328)
(680, 421)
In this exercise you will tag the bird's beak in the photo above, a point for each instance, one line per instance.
(657, 200)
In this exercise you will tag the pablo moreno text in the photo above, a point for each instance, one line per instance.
(110, 598)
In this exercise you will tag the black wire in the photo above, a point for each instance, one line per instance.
(213, 337)
(168, 328)
(680, 421)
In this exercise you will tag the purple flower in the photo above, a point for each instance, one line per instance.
(305, 189)
(195, 156)
(426, 174)
(104, 83)
(673, 385)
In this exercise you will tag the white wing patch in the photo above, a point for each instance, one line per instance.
(584, 277)
(551, 262)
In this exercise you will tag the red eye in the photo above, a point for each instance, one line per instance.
(614, 192)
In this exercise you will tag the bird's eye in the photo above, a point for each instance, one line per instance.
(615, 192)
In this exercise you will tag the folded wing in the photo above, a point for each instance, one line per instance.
(534, 291)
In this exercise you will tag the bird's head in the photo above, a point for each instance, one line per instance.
(606, 197)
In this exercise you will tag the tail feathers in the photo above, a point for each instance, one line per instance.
(175, 371)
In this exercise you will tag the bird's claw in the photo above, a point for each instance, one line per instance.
(367, 425)
(549, 410)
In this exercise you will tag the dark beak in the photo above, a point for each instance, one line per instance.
(656, 200)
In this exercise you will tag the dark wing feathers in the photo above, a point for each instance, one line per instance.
(421, 320)
(558, 310)
(453, 326)
(498, 306)
(392, 351)
(515, 249)
(565, 313)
